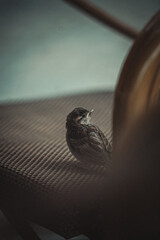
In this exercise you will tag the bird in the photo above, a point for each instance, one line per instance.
(85, 140)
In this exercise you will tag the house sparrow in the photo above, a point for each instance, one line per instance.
(85, 140)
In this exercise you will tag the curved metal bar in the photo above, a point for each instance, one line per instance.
(104, 17)
(137, 91)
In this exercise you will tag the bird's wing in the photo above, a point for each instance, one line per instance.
(96, 142)
(105, 141)
(89, 146)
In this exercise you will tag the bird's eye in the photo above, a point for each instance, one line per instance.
(83, 115)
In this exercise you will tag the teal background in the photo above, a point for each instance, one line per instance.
(48, 48)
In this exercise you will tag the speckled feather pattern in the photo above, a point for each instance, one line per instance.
(88, 143)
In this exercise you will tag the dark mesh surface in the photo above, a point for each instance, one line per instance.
(33, 150)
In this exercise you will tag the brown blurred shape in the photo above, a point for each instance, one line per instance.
(104, 17)
(139, 83)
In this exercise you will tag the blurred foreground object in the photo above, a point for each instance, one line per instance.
(139, 83)
(137, 207)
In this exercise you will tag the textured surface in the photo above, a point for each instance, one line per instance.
(33, 151)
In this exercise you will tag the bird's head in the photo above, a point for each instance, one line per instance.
(78, 116)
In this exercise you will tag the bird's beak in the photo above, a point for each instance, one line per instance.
(90, 112)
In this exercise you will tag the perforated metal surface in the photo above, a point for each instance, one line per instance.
(33, 150)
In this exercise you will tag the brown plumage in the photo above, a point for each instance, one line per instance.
(85, 140)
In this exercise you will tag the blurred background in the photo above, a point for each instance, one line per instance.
(48, 48)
